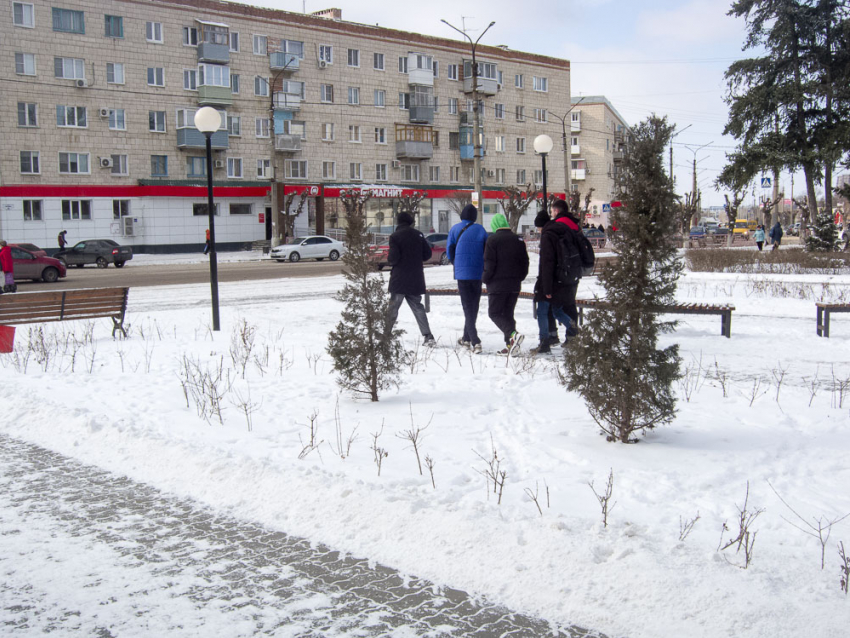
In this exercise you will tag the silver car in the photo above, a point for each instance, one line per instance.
(316, 247)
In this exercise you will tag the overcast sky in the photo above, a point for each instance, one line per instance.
(662, 56)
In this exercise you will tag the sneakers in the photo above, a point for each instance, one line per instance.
(543, 348)
(515, 342)
(476, 349)
(429, 341)
(464, 343)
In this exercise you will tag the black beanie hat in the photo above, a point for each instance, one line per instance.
(542, 219)
(405, 218)
(469, 213)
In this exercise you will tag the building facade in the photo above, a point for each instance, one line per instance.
(103, 143)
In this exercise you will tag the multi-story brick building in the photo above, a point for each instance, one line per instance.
(105, 91)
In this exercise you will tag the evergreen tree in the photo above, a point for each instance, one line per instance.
(824, 238)
(615, 362)
(366, 356)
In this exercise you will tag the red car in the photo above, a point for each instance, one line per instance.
(29, 265)
(379, 254)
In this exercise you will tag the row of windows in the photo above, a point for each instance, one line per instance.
(81, 209)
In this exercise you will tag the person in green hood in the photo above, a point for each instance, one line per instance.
(505, 267)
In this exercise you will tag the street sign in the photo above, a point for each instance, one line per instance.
(262, 218)
(765, 182)
(606, 208)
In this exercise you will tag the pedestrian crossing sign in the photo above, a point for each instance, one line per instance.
(765, 182)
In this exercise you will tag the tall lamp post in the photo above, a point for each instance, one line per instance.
(208, 121)
(476, 110)
(543, 145)
(567, 148)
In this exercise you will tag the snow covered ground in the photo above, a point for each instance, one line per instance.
(121, 405)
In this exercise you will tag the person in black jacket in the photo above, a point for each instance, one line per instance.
(505, 266)
(408, 251)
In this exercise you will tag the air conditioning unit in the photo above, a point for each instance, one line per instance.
(104, 112)
(322, 64)
(106, 162)
(587, 171)
(128, 226)
(396, 164)
(219, 163)
(491, 173)
(81, 84)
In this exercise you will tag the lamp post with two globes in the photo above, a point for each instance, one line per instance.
(208, 121)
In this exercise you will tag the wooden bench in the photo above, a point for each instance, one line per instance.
(724, 310)
(826, 309)
(65, 305)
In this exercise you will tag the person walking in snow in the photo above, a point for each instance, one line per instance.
(7, 265)
(62, 240)
(207, 243)
(465, 249)
(759, 236)
(505, 266)
(776, 235)
(408, 251)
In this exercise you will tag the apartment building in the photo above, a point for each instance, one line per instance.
(104, 145)
(598, 139)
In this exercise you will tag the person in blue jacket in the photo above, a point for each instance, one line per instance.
(758, 236)
(465, 248)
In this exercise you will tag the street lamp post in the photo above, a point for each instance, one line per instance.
(567, 149)
(208, 121)
(695, 196)
(476, 110)
(543, 145)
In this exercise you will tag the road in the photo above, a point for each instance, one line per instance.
(176, 274)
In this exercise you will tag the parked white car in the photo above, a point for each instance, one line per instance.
(316, 247)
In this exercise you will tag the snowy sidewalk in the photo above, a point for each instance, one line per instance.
(87, 552)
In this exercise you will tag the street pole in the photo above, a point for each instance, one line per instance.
(671, 148)
(208, 121)
(567, 149)
(694, 194)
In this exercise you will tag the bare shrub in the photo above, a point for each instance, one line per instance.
(414, 435)
(246, 405)
(745, 538)
(686, 526)
(343, 442)
(605, 498)
(379, 452)
(430, 463)
(493, 472)
(534, 496)
(313, 441)
(845, 568)
(792, 261)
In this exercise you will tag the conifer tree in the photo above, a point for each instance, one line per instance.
(615, 363)
(824, 238)
(366, 356)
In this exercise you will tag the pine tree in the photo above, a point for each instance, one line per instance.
(366, 357)
(615, 363)
(824, 238)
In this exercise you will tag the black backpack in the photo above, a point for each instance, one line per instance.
(575, 257)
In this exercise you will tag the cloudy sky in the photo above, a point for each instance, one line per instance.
(662, 56)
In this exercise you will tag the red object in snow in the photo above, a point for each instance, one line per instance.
(7, 339)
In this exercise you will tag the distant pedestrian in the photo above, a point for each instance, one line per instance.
(62, 240)
(776, 235)
(408, 251)
(465, 248)
(759, 236)
(207, 244)
(7, 265)
(505, 266)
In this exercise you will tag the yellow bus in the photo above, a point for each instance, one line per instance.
(744, 227)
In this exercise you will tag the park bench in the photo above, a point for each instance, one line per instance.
(824, 311)
(65, 305)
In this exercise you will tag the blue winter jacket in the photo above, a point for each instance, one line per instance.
(469, 252)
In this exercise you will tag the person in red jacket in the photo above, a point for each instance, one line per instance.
(7, 264)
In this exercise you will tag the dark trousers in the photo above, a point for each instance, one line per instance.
(470, 299)
(760, 244)
(415, 303)
(207, 247)
(501, 307)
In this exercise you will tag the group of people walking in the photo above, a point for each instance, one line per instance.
(775, 235)
(499, 261)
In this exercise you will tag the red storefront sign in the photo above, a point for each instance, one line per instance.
(262, 218)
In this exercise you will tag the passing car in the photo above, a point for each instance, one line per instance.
(316, 247)
(698, 231)
(28, 265)
(379, 255)
(435, 238)
(100, 252)
(35, 250)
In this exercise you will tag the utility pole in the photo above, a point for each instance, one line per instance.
(671, 147)
(476, 112)
(695, 196)
(567, 148)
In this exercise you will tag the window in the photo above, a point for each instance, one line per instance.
(500, 175)
(32, 210)
(380, 98)
(294, 47)
(518, 81)
(156, 121)
(410, 172)
(378, 61)
(114, 73)
(234, 83)
(328, 132)
(354, 57)
(575, 116)
(452, 106)
(27, 114)
(574, 140)
(190, 79)
(153, 32)
(76, 209)
(234, 168)
(434, 173)
(380, 135)
(326, 92)
(234, 42)
(539, 115)
(196, 166)
(402, 64)
(215, 34)
(241, 209)
(538, 177)
(264, 168)
(354, 133)
(261, 126)
(234, 125)
(68, 21)
(353, 95)
(454, 140)
(451, 72)
(119, 165)
(74, 116)
(190, 36)
(261, 45)
(214, 75)
(520, 145)
(436, 67)
(380, 172)
(295, 169)
(114, 26)
(499, 110)
(25, 64)
(355, 171)
(328, 170)
(454, 174)
(24, 16)
(116, 120)
(69, 68)
(500, 79)
(500, 143)
(295, 127)
(159, 165)
(156, 76)
(520, 176)
(404, 101)
(120, 208)
(203, 210)
(74, 163)
(29, 163)
(326, 54)
(520, 114)
(261, 86)
(540, 84)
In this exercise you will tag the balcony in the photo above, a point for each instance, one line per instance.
(288, 101)
(486, 86)
(575, 149)
(287, 143)
(415, 142)
(280, 61)
(214, 53)
(420, 77)
(193, 138)
(579, 174)
(619, 156)
(215, 95)
(575, 126)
